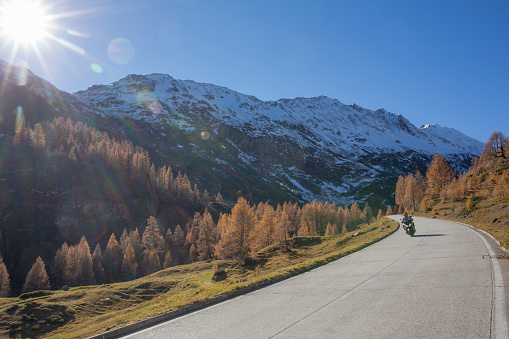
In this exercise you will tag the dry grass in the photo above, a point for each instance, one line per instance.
(85, 311)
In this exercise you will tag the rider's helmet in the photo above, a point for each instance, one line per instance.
(405, 214)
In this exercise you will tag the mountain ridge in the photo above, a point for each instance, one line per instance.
(155, 90)
(311, 148)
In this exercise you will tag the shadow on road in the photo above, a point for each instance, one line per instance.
(429, 235)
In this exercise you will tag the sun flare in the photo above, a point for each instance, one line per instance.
(23, 21)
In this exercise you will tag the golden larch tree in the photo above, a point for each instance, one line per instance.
(37, 278)
(438, 174)
(235, 235)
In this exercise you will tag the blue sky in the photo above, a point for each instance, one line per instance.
(444, 62)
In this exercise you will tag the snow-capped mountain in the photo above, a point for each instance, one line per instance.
(310, 148)
(334, 125)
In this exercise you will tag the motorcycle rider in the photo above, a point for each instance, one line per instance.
(406, 219)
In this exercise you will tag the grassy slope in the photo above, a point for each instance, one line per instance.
(490, 215)
(84, 311)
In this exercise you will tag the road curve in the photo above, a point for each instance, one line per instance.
(441, 283)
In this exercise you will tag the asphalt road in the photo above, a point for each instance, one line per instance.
(441, 283)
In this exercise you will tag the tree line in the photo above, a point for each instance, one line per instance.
(415, 192)
(236, 235)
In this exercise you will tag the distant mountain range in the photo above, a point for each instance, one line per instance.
(302, 148)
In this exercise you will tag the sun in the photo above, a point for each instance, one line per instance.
(23, 21)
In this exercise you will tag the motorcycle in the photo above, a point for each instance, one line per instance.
(409, 226)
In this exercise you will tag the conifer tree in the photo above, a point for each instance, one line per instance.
(344, 230)
(37, 136)
(409, 199)
(206, 198)
(22, 134)
(193, 254)
(37, 278)
(112, 259)
(400, 190)
(59, 265)
(97, 258)
(85, 270)
(152, 238)
(179, 241)
(168, 260)
(438, 174)
(329, 230)
(367, 213)
(307, 221)
(495, 147)
(100, 275)
(71, 267)
(282, 222)
(303, 231)
(135, 241)
(380, 214)
(129, 264)
(264, 230)
(124, 240)
(151, 263)
(236, 233)
(355, 214)
(5, 281)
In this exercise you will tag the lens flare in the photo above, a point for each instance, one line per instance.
(121, 51)
(205, 135)
(149, 102)
(96, 68)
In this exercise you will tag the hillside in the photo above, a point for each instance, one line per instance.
(84, 311)
(302, 148)
(479, 197)
(100, 163)
(318, 147)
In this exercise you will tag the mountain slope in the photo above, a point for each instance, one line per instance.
(319, 146)
(302, 148)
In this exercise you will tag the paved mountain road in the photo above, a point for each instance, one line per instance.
(439, 284)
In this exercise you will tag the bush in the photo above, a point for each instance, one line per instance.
(219, 275)
(55, 319)
(34, 294)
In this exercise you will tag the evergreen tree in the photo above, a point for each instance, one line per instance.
(438, 174)
(179, 239)
(367, 213)
(5, 281)
(38, 139)
(85, 270)
(193, 254)
(135, 241)
(129, 264)
(329, 230)
(37, 278)
(151, 263)
(152, 238)
(168, 260)
(264, 230)
(236, 232)
(71, 267)
(59, 265)
(112, 259)
(409, 199)
(496, 147)
(400, 190)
